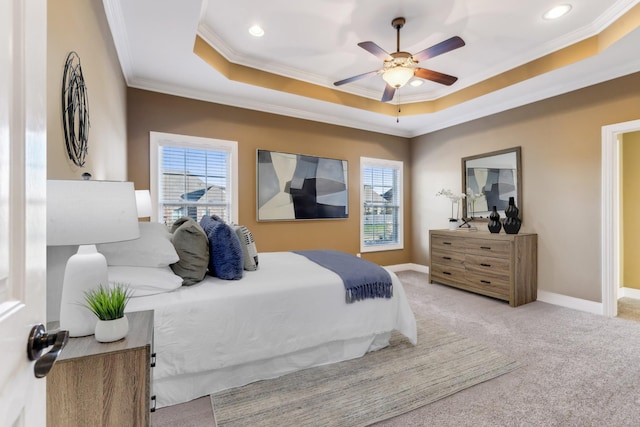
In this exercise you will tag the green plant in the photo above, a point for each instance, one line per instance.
(108, 303)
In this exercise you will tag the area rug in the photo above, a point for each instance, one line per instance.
(375, 387)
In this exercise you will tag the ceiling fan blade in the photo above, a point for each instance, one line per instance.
(435, 76)
(354, 78)
(388, 94)
(376, 50)
(438, 49)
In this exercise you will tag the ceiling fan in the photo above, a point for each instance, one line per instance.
(399, 67)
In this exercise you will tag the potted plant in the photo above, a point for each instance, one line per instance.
(108, 304)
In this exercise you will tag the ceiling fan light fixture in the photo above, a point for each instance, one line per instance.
(397, 76)
(557, 11)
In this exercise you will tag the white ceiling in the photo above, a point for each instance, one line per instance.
(316, 41)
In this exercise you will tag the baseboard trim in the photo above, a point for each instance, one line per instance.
(409, 266)
(629, 292)
(570, 302)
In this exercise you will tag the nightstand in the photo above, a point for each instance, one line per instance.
(104, 384)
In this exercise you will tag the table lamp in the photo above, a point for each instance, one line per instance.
(143, 203)
(86, 213)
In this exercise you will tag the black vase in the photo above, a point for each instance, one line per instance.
(494, 221)
(512, 223)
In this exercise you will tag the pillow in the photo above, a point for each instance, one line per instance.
(225, 252)
(192, 246)
(144, 280)
(152, 249)
(249, 250)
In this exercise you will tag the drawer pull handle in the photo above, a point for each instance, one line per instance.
(446, 243)
(486, 247)
(153, 360)
(153, 404)
(446, 257)
(485, 281)
(485, 265)
(447, 273)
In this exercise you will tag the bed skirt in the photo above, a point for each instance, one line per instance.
(186, 387)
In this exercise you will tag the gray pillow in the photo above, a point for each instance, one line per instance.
(192, 246)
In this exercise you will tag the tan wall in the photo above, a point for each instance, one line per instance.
(81, 26)
(561, 163)
(149, 111)
(630, 230)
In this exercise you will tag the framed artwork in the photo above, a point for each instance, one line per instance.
(297, 187)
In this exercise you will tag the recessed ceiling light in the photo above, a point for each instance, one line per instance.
(557, 11)
(256, 31)
(416, 82)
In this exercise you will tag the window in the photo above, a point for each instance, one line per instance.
(381, 205)
(192, 176)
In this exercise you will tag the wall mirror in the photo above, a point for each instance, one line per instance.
(490, 179)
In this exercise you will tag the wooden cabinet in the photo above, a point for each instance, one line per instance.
(502, 266)
(104, 384)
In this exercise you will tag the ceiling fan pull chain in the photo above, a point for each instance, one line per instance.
(399, 109)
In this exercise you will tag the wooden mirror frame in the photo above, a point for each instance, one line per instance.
(487, 158)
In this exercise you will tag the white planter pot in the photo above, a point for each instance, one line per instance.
(112, 330)
(453, 224)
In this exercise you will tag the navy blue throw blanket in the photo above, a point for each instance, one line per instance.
(362, 279)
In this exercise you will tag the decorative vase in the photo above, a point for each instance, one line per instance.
(512, 223)
(494, 221)
(112, 330)
(453, 223)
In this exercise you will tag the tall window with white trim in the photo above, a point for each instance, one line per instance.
(381, 225)
(193, 176)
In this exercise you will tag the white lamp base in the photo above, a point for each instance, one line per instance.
(85, 270)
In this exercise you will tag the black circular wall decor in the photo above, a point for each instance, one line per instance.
(75, 110)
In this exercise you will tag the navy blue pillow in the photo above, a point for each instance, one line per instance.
(225, 251)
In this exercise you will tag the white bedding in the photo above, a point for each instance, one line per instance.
(289, 306)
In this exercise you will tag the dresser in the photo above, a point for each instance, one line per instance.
(503, 266)
(104, 384)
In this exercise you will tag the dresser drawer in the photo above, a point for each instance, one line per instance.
(491, 283)
(486, 247)
(447, 257)
(488, 266)
(447, 274)
(448, 243)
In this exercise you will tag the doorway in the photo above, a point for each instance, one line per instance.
(610, 225)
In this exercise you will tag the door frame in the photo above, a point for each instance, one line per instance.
(611, 213)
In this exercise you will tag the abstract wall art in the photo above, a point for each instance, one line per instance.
(297, 187)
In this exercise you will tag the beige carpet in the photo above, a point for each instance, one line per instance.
(359, 392)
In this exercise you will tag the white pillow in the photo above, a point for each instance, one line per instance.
(152, 249)
(144, 280)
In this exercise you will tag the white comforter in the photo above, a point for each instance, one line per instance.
(288, 304)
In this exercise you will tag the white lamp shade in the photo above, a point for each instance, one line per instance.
(143, 203)
(398, 76)
(90, 212)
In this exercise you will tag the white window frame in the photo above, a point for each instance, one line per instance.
(158, 139)
(387, 164)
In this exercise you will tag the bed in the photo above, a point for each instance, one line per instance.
(289, 314)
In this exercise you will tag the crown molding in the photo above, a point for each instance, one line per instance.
(116, 21)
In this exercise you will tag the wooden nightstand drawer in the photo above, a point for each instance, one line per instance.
(103, 384)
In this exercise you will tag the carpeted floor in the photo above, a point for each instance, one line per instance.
(629, 308)
(577, 369)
